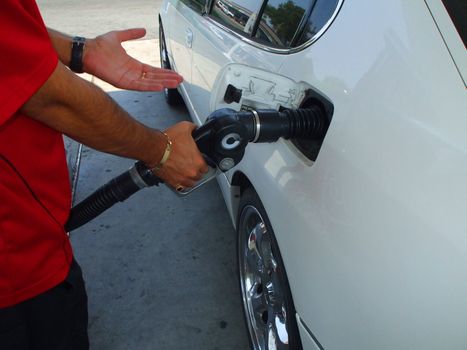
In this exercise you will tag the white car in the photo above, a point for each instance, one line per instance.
(358, 240)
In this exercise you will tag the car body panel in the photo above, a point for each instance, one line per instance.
(383, 208)
(307, 339)
(374, 233)
(176, 29)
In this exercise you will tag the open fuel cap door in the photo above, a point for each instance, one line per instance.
(242, 87)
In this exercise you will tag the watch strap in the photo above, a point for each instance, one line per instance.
(77, 49)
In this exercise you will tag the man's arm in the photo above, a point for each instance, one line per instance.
(105, 58)
(85, 113)
(62, 45)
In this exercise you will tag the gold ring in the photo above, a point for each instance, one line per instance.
(179, 188)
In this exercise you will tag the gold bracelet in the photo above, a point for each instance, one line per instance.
(166, 155)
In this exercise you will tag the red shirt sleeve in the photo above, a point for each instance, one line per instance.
(27, 57)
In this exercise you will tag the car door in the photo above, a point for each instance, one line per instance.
(179, 36)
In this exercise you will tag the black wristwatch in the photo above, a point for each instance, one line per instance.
(77, 48)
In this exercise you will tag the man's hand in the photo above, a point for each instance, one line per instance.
(185, 165)
(105, 58)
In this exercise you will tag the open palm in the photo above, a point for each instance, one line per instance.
(106, 59)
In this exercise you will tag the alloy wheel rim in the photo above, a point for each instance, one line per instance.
(261, 286)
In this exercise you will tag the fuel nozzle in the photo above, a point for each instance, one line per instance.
(269, 125)
(226, 133)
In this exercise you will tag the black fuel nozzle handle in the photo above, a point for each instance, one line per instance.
(226, 133)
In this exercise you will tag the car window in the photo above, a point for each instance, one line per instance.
(239, 15)
(280, 21)
(281, 24)
(457, 10)
(321, 14)
(197, 5)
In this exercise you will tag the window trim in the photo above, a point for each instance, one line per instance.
(456, 18)
(262, 46)
(258, 18)
(302, 25)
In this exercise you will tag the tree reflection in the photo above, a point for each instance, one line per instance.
(284, 20)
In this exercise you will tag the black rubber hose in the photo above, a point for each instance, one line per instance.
(310, 123)
(116, 190)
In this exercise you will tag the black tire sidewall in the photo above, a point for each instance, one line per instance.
(250, 198)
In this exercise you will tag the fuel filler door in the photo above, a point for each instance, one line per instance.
(242, 87)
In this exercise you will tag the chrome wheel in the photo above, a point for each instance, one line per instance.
(267, 303)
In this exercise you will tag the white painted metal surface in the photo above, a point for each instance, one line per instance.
(374, 233)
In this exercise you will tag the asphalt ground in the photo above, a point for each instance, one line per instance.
(160, 270)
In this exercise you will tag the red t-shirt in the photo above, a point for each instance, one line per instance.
(35, 252)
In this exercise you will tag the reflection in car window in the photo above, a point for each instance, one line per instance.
(457, 9)
(283, 24)
(321, 13)
(197, 5)
(280, 21)
(240, 15)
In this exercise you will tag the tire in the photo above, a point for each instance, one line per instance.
(172, 96)
(267, 302)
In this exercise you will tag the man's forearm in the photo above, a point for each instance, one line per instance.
(62, 45)
(88, 115)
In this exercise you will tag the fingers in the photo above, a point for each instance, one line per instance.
(204, 169)
(174, 78)
(153, 85)
(190, 180)
(154, 79)
(151, 82)
(176, 180)
(168, 80)
(161, 74)
(170, 84)
(141, 85)
(130, 34)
